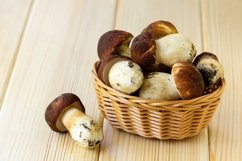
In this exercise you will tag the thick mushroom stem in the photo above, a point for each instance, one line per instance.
(82, 128)
(124, 50)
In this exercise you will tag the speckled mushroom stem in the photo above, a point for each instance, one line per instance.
(82, 128)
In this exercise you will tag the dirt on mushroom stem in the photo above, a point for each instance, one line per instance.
(82, 128)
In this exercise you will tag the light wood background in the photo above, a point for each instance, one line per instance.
(49, 46)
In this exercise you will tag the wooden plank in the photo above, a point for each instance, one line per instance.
(222, 25)
(12, 23)
(133, 16)
(57, 54)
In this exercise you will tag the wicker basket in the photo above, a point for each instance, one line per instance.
(154, 118)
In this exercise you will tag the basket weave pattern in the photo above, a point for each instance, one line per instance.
(154, 118)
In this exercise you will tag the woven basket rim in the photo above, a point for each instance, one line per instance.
(156, 102)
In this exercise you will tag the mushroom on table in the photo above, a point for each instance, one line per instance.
(67, 113)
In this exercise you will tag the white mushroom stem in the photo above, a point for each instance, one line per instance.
(82, 128)
(124, 50)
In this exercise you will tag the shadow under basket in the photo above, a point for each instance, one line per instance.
(154, 118)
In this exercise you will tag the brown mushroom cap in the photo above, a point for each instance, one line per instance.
(143, 51)
(159, 29)
(110, 41)
(56, 108)
(105, 66)
(189, 81)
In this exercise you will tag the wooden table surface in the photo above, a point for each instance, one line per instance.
(49, 46)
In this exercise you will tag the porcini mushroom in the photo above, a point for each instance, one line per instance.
(189, 81)
(211, 70)
(175, 48)
(158, 85)
(67, 113)
(126, 76)
(113, 43)
(105, 66)
(144, 48)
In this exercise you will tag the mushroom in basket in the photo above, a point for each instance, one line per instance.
(114, 43)
(211, 70)
(185, 81)
(159, 47)
(121, 74)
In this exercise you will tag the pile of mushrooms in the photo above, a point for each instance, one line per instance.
(159, 63)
